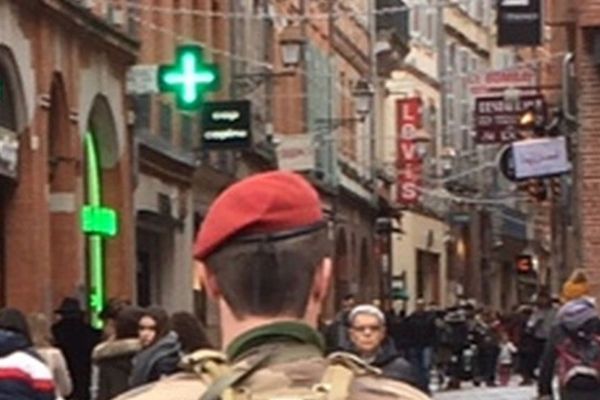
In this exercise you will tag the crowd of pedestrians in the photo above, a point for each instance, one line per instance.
(538, 341)
(71, 360)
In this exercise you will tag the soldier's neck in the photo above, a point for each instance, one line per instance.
(232, 327)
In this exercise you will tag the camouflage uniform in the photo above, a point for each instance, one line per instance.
(295, 359)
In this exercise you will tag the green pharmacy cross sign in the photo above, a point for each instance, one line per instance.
(189, 78)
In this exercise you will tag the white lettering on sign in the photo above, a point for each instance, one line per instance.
(229, 115)
(227, 134)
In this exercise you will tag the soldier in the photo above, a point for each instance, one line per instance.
(262, 255)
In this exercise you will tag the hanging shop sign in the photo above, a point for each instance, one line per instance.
(499, 121)
(409, 118)
(9, 153)
(519, 22)
(495, 81)
(536, 158)
(226, 125)
(295, 152)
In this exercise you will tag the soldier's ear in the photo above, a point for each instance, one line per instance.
(322, 280)
(208, 280)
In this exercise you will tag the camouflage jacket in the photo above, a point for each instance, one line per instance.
(295, 358)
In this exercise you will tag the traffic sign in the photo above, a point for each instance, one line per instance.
(141, 79)
(189, 78)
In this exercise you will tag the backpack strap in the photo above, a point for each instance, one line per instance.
(339, 374)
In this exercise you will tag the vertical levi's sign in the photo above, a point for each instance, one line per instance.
(408, 162)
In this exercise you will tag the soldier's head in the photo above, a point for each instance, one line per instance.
(262, 250)
(367, 328)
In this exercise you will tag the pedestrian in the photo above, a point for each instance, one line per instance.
(112, 359)
(505, 359)
(537, 333)
(161, 350)
(488, 342)
(263, 255)
(76, 338)
(573, 351)
(421, 324)
(368, 335)
(23, 373)
(336, 333)
(190, 332)
(52, 356)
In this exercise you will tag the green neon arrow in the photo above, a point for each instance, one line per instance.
(189, 78)
(97, 222)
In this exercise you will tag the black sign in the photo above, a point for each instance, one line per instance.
(519, 22)
(499, 121)
(506, 164)
(226, 125)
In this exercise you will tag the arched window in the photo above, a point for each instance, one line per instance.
(7, 104)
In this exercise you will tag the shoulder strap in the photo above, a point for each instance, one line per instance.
(336, 382)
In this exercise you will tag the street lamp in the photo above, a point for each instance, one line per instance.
(363, 93)
(291, 41)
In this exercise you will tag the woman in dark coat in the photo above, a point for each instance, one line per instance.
(190, 332)
(161, 349)
(112, 358)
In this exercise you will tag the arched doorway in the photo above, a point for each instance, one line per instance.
(12, 122)
(99, 217)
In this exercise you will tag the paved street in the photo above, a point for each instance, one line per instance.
(484, 393)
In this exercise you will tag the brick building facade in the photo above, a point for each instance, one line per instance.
(62, 73)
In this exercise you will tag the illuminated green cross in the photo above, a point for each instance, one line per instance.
(189, 78)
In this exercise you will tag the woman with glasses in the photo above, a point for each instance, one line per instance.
(161, 349)
(371, 343)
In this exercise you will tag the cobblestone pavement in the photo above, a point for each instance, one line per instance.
(512, 392)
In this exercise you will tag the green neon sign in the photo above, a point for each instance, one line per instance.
(97, 222)
(189, 78)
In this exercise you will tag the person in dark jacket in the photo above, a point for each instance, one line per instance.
(336, 333)
(112, 358)
(23, 374)
(76, 339)
(577, 320)
(423, 335)
(161, 349)
(369, 341)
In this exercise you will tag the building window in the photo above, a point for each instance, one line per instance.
(166, 118)
(7, 106)
(415, 21)
(187, 131)
(430, 23)
(141, 109)
(451, 57)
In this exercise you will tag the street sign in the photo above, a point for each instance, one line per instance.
(498, 120)
(520, 23)
(189, 78)
(141, 79)
(226, 124)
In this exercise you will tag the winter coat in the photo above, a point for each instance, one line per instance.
(422, 328)
(23, 374)
(336, 334)
(158, 360)
(55, 360)
(550, 357)
(77, 339)
(393, 365)
(112, 367)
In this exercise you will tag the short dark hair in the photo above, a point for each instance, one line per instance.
(269, 278)
(161, 317)
(12, 319)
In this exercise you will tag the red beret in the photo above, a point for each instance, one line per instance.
(263, 203)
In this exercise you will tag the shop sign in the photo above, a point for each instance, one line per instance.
(495, 81)
(519, 22)
(408, 163)
(295, 152)
(9, 153)
(498, 120)
(536, 158)
(226, 125)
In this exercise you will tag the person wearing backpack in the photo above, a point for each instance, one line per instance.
(263, 255)
(573, 353)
